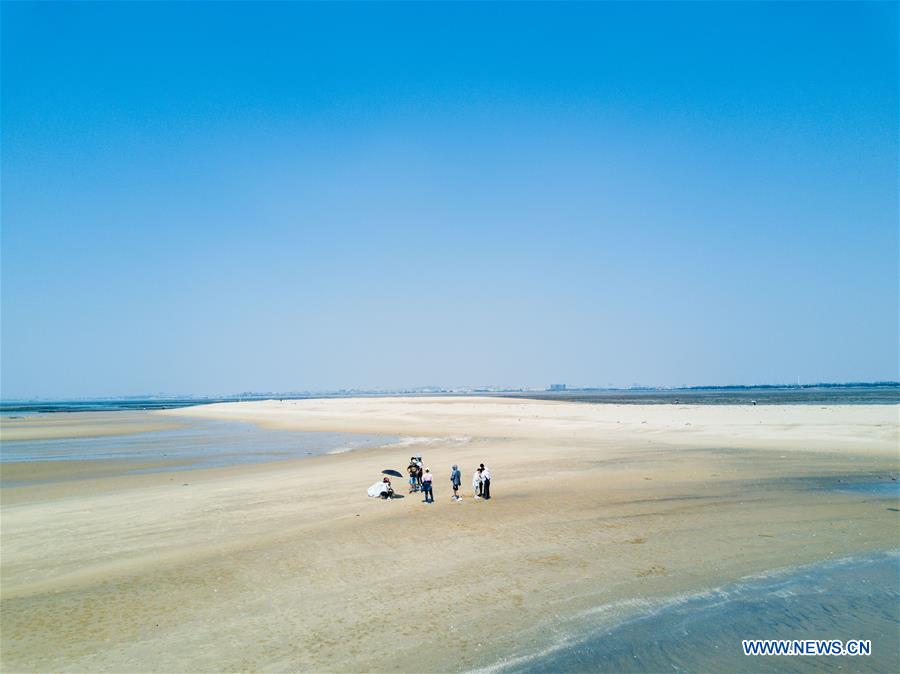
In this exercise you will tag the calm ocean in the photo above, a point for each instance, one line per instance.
(882, 394)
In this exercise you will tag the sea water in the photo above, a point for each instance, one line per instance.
(885, 394)
(200, 443)
(852, 598)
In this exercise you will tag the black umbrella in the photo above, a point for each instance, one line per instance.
(392, 473)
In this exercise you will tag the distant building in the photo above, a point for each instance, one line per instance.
(557, 387)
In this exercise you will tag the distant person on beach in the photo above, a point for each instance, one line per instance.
(420, 467)
(476, 483)
(455, 481)
(387, 491)
(485, 483)
(413, 470)
(426, 485)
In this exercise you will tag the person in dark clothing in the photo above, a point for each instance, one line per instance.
(455, 481)
(427, 486)
(485, 483)
(420, 471)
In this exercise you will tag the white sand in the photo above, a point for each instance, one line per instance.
(288, 566)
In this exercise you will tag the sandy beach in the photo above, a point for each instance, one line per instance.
(638, 259)
(287, 566)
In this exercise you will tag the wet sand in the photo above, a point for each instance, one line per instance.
(288, 566)
(82, 425)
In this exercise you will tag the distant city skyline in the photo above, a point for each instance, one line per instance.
(218, 197)
(462, 390)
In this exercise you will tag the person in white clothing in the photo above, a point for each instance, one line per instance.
(485, 483)
(381, 489)
(476, 483)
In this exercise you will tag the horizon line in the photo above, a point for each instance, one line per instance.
(449, 390)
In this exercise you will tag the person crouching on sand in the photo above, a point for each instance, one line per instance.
(455, 481)
(387, 491)
(476, 483)
(426, 485)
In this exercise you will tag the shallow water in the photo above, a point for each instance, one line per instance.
(878, 485)
(883, 488)
(200, 444)
(887, 394)
(853, 598)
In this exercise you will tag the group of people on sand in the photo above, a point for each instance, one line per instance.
(481, 482)
(421, 479)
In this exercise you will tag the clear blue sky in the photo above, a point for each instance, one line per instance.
(211, 198)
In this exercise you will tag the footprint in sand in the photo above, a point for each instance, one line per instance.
(637, 541)
(547, 560)
(655, 570)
